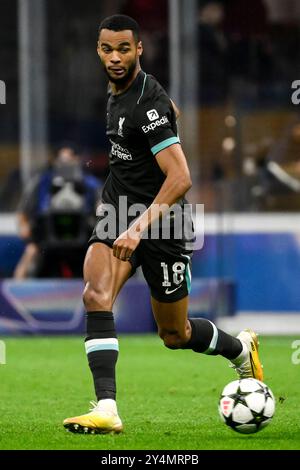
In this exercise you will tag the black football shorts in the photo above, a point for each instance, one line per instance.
(166, 263)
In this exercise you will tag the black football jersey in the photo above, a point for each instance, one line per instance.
(140, 123)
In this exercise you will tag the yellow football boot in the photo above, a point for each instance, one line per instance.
(98, 421)
(251, 367)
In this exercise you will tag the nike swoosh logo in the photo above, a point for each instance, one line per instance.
(167, 291)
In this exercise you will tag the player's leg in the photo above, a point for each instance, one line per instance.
(172, 322)
(104, 276)
(202, 336)
(169, 276)
(199, 334)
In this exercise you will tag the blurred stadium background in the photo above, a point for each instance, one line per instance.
(229, 65)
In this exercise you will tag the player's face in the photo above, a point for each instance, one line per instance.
(119, 54)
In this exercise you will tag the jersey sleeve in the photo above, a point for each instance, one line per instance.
(155, 119)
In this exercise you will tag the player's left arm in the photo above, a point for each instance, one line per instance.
(172, 162)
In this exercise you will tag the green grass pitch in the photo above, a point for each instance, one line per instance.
(167, 399)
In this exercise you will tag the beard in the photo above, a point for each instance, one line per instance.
(122, 80)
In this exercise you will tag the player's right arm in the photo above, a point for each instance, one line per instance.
(156, 118)
(173, 164)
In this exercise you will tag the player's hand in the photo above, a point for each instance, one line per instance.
(126, 243)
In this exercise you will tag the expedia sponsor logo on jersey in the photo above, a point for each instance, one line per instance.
(120, 152)
(153, 125)
(152, 115)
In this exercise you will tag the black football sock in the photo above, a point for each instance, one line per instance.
(102, 348)
(206, 338)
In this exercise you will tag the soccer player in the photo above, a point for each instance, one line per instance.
(148, 166)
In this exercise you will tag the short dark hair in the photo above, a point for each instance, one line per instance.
(120, 23)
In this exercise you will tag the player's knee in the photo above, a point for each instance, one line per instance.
(172, 339)
(96, 299)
